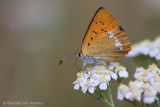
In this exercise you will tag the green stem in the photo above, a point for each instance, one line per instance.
(110, 96)
(94, 96)
(100, 95)
(157, 103)
(115, 86)
(148, 105)
(104, 100)
(142, 104)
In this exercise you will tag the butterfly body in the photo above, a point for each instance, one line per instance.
(86, 60)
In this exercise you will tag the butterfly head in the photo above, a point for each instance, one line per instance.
(80, 56)
(86, 59)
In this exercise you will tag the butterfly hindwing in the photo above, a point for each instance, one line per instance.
(112, 46)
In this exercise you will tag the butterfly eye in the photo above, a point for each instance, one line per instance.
(79, 55)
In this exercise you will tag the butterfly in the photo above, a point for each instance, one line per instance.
(104, 40)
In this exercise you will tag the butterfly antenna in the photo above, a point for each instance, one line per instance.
(61, 61)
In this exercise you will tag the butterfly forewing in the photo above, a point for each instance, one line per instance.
(101, 23)
(104, 39)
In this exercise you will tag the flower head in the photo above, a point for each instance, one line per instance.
(145, 87)
(99, 76)
(146, 47)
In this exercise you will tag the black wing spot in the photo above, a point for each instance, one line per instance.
(102, 29)
(88, 44)
(101, 22)
(91, 38)
(102, 47)
(105, 31)
(95, 22)
(94, 32)
(97, 42)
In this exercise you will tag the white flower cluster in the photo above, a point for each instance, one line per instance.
(99, 76)
(145, 88)
(146, 47)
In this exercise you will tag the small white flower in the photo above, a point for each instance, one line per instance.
(88, 85)
(123, 74)
(148, 100)
(138, 73)
(110, 74)
(120, 96)
(135, 95)
(91, 90)
(95, 82)
(103, 83)
(122, 90)
(156, 87)
(103, 86)
(76, 86)
(113, 65)
(149, 96)
(114, 75)
(121, 71)
(158, 57)
(154, 68)
(108, 77)
(79, 82)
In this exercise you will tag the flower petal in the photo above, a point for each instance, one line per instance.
(103, 86)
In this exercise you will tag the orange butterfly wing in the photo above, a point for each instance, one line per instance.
(101, 23)
(97, 42)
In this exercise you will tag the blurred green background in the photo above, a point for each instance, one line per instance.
(36, 34)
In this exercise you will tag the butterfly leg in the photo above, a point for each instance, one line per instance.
(101, 63)
(84, 64)
(76, 64)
